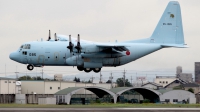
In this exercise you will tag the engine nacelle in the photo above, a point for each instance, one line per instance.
(74, 61)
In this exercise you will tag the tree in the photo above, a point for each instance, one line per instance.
(109, 81)
(37, 78)
(120, 83)
(191, 90)
(77, 79)
(25, 78)
(89, 81)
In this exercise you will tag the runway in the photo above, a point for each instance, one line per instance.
(100, 109)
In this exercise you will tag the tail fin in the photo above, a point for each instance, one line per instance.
(169, 30)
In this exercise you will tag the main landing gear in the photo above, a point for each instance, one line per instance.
(87, 70)
(30, 67)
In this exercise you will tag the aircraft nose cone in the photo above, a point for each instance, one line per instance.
(13, 56)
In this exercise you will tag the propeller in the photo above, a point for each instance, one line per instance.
(78, 46)
(55, 37)
(70, 47)
(49, 36)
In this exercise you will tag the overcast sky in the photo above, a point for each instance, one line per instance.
(97, 20)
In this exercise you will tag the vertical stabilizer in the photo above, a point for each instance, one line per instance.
(169, 30)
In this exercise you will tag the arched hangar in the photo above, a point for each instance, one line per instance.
(147, 93)
(65, 94)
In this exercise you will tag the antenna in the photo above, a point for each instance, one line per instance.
(100, 78)
(49, 36)
(92, 78)
(55, 37)
(131, 81)
(124, 77)
(111, 77)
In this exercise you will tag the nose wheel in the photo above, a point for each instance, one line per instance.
(30, 67)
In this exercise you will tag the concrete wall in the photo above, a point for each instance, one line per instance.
(7, 86)
(180, 95)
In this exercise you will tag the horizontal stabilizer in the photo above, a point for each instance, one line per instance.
(175, 45)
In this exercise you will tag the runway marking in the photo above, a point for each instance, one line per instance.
(100, 109)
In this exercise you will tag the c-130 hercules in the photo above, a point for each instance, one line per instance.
(88, 55)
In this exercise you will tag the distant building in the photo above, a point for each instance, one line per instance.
(197, 72)
(194, 86)
(58, 77)
(183, 76)
(140, 81)
(178, 71)
(164, 80)
(186, 77)
(152, 85)
(176, 84)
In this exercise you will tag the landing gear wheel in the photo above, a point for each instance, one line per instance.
(96, 70)
(30, 67)
(87, 70)
(80, 68)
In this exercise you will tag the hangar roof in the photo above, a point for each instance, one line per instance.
(118, 89)
(67, 90)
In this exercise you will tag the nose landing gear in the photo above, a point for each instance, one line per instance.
(30, 67)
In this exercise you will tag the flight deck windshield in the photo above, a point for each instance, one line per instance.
(26, 46)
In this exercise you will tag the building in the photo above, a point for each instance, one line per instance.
(140, 81)
(176, 84)
(58, 77)
(177, 96)
(194, 86)
(7, 90)
(7, 85)
(178, 71)
(186, 77)
(164, 80)
(116, 94)
(152, 85)
(183, 76)
(35, 89)
(197, 72)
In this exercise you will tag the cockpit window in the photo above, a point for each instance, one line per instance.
(24, 52)
(26, 46)
(21, 46)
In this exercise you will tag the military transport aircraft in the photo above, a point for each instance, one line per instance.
(88, 55)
